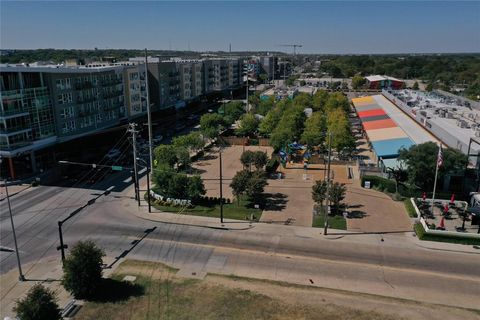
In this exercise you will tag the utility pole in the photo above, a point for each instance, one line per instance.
(328, 184)
(149, 112)
(21, 277)
(248, 109)
(133, 130)
(221, 187)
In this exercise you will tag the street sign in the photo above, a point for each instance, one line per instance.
(117, 168)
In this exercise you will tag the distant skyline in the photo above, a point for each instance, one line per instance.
(342, 27)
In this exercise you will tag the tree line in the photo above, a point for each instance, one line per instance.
(440, 71)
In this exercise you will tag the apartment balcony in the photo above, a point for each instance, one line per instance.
(15, 130)
(14, 146)
(84, 85)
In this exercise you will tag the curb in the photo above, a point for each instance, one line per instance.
(447, 250)
(144, 217)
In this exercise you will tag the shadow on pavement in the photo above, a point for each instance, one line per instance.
(127, 251)
(112, 290)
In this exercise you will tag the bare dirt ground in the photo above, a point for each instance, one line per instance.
(310, 302)
(209, 168)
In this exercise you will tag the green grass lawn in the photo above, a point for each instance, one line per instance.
(335, 222)
(161, 294)
(410, 209)
(447, 238)
(230, 211)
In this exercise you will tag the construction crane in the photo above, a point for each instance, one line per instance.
(295, 46)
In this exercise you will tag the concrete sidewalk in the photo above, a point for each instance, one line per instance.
(397, 238)
(48, 272)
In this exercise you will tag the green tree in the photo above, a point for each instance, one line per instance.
(192, 141)
(254, 101)
(247, 159)
(421, 161)
(165, 154)
(256, 183)
(357, 82)
(183, 157)
(211, 124)
(315, 128)
(303, 100)
(196, 188)
(339, 126)
(82, 270)
(260, 159)
(399, 174)
(336, 194)
(265, 106)
(178, 186)
(233, 111)
(319, 100)
(248, 125)
(415, 86)
(39, 304)
(269, 123)
(337, 100)
(239, 183)
(319, 192)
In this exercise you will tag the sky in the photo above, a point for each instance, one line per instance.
(342, 27)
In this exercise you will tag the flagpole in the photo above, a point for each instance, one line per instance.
(436, 175)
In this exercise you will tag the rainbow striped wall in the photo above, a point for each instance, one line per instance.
(383, 133)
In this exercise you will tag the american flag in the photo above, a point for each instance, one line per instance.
(440, 157)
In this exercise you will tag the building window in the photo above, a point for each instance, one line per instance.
(64, 98)
(69, 126)
(67, 113)
(63, 84)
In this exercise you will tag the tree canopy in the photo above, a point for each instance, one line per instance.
(176, 185)
(82, 270)
(315, 129)
(248, 125)
(421, 161)
(211, 124)
(39, 304)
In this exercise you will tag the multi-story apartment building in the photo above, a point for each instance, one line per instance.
(85, 100)
(44, 105)
(26, 118)
(135, 90)
(269, 66)
(164, 84)
(41, 106)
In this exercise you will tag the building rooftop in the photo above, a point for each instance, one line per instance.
(459, 118)
(381, 78)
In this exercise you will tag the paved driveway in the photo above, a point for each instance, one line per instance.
(374, 211)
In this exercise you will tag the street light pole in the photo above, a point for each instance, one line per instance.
(149, 112)
(148, 185)
(134, 131)
(21, 277)
(325, 229)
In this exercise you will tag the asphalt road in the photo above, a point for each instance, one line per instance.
(393, 267)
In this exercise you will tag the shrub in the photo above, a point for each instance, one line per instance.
(34, 183)
(82, 270)
(40, 303)
(380, 183)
